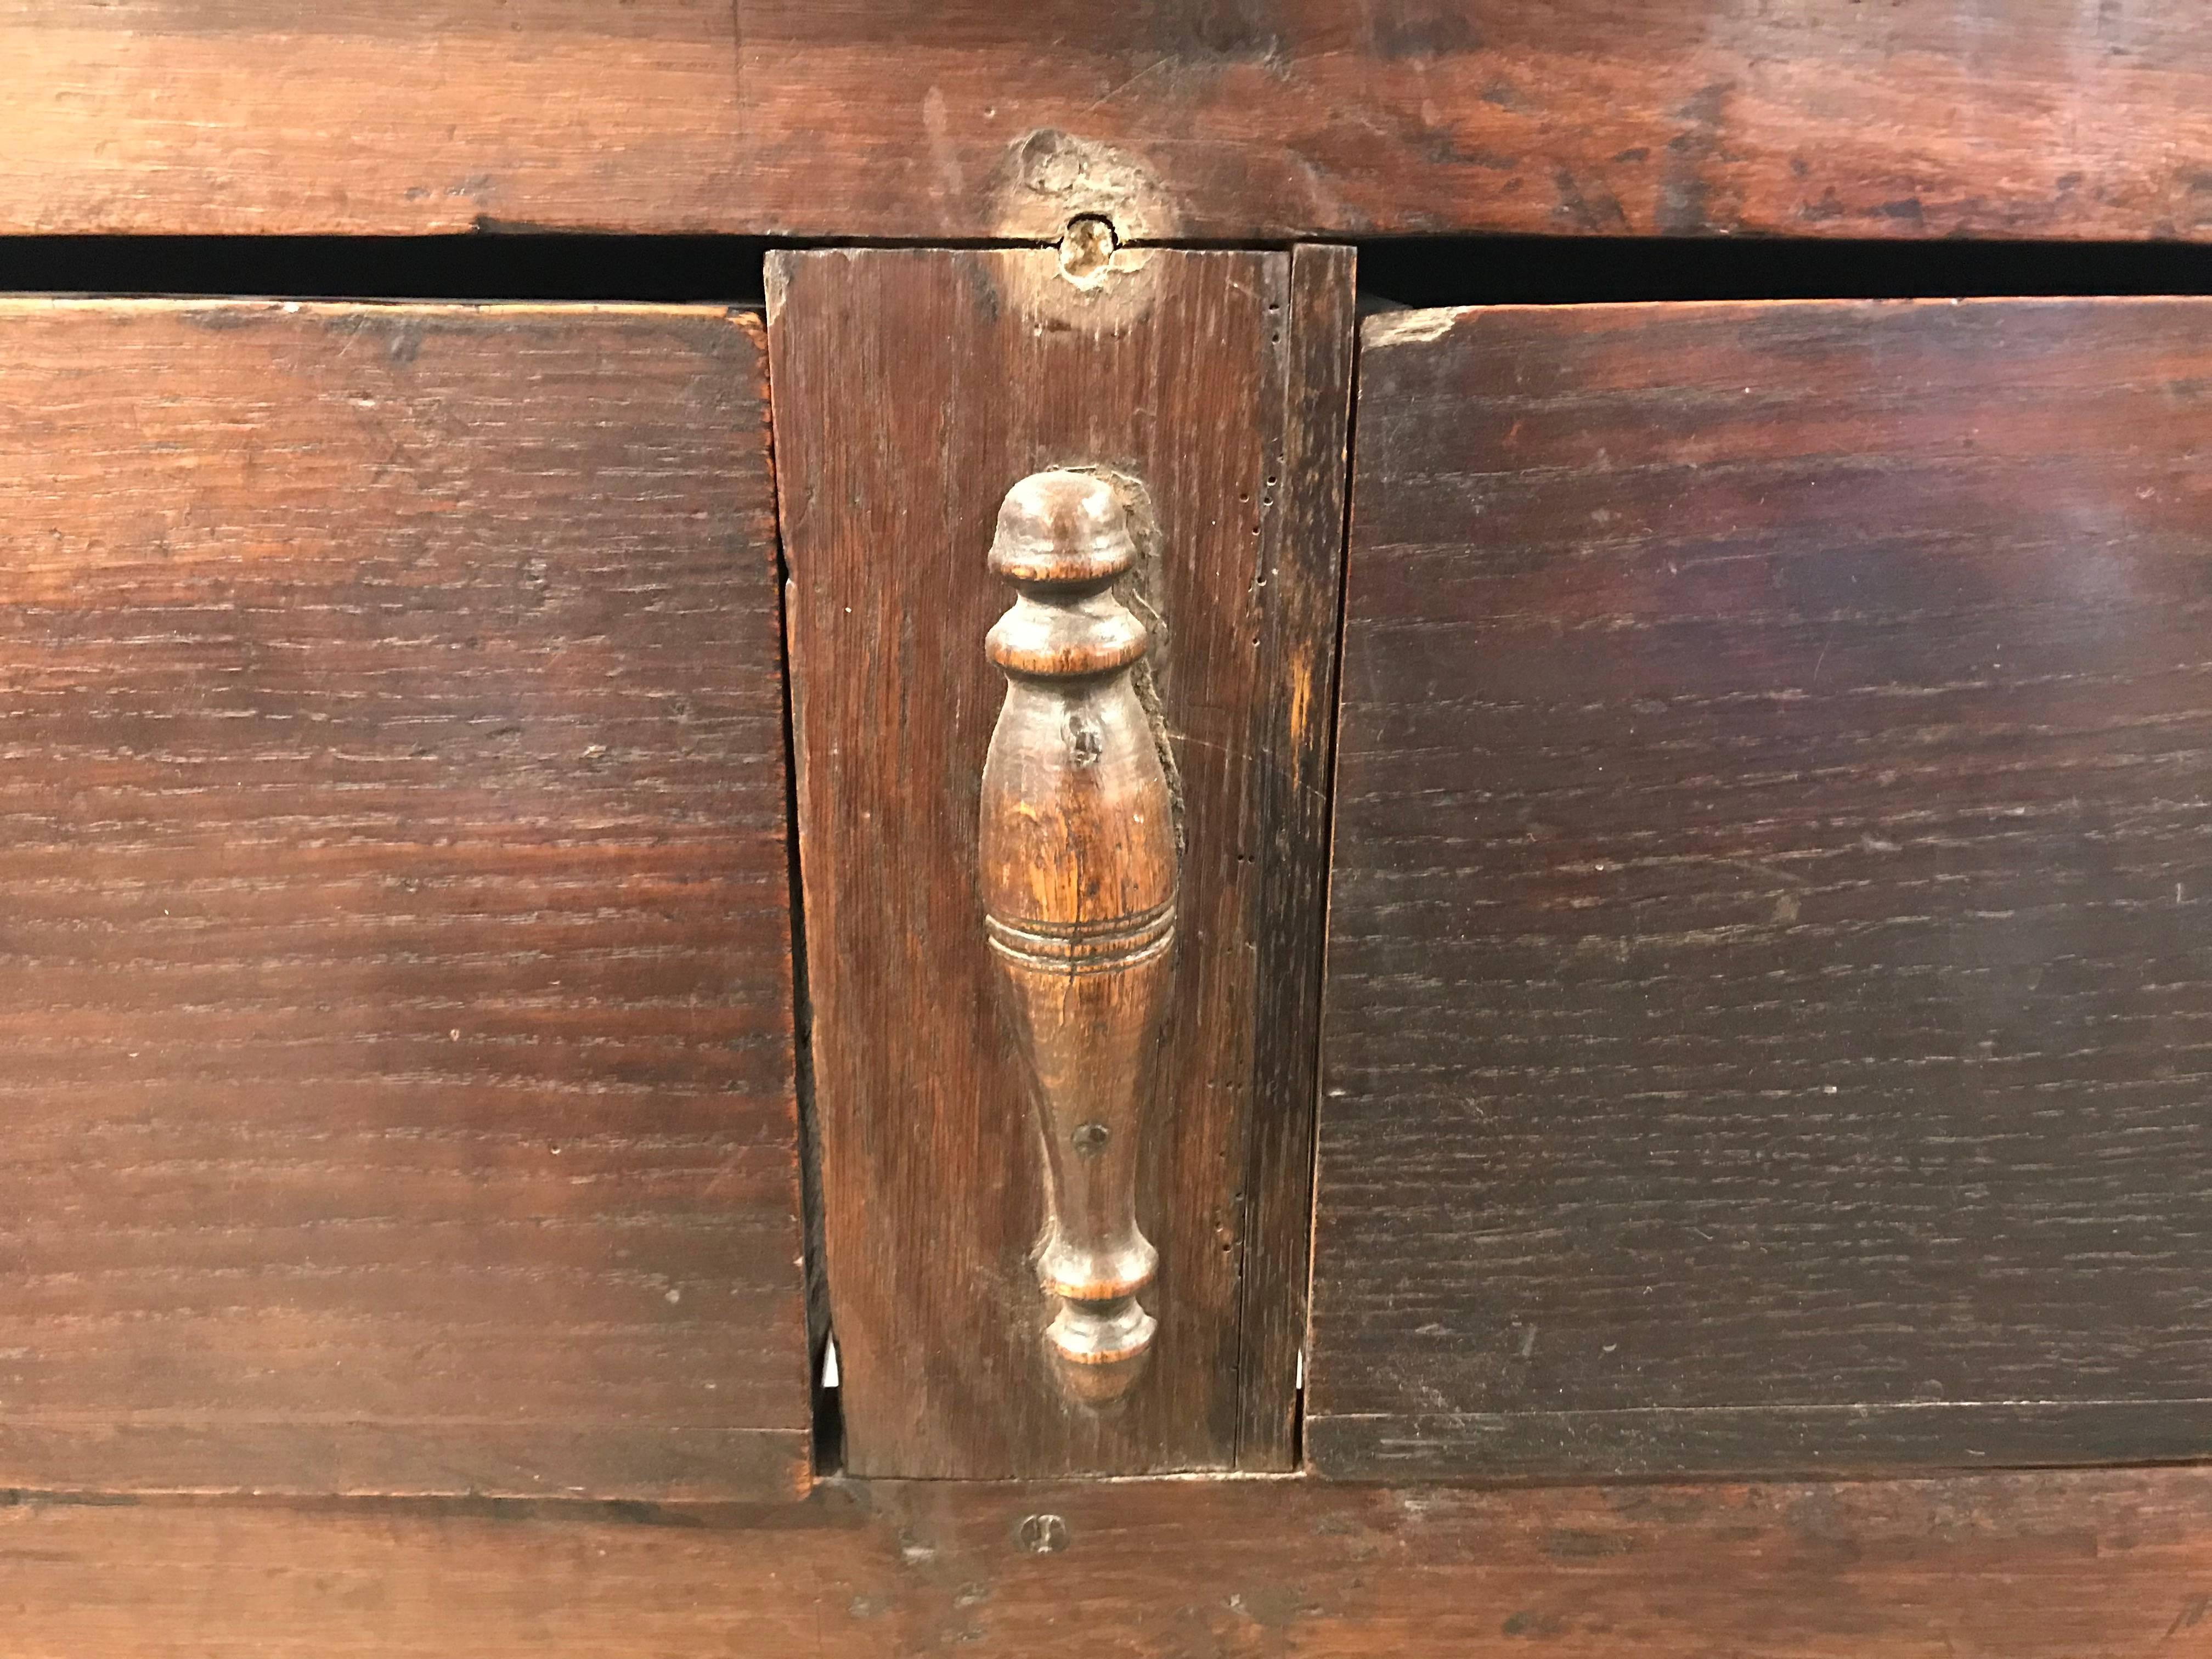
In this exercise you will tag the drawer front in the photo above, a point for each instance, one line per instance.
(1766, 1013)
(394, 941)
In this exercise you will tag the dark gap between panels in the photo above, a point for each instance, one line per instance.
(1414, 271)
(666, 269)
(1585, 269)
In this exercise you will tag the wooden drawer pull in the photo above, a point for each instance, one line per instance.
(1077, 854)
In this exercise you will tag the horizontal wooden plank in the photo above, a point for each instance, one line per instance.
(1316, 117)
(239, 117)
(2081, 1565)
(406, 1451)
(395, 977)
(1635, 1441)
(1767, 1021)
(1268, 118)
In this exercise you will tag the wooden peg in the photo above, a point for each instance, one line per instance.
(1079, 885)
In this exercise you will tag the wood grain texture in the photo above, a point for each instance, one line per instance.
(1235, 119)
(1077, 870)
(912, 389)
(2051, 1565)
(1300, 597)
(367, 116)
(1321, 117)
(1768, 991)
(394, 944)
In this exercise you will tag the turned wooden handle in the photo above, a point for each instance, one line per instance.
(1078, 886)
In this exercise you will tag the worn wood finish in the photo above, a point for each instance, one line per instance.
(1768, 972)
(912, 388)
(964, 119)
(369, 116)
(1283, 118)
(2052, 1565)
(394, 950)
(1076, 848)
(1300, 592)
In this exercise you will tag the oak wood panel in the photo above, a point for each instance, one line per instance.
(367, 116)
(1301, 592)
(1236, 118)
(912, 388)
(1768, 988)
(394, 944)
(1280, 117)
(2050, 1566)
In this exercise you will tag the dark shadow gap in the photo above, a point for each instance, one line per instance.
(1584, 270)
(666, 269)
(1419, 270)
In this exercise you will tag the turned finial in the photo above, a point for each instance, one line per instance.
(1077, 874)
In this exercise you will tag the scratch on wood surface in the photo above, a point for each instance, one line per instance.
(1393, 328)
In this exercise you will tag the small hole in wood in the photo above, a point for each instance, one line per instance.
(1042, 1534)
(1086, 247)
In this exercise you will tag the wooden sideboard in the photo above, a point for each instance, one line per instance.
(1041, 930)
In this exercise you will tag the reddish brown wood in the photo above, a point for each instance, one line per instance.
(1299, 593)
(1076, 843)
(1768, 980)
(394, 961)
(361, 117)
(967, 118)
(1281, 118)
(912, 389)
(2103, 1565)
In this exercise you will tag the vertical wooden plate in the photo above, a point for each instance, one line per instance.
(912, 388)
